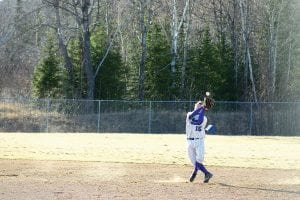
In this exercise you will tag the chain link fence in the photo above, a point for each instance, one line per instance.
(119, 116)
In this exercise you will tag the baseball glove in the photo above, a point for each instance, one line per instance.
(208, 102)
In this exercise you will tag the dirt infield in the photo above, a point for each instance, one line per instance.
(131, 166)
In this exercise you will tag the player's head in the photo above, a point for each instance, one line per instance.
(198, 105)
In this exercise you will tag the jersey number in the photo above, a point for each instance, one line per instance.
(198, 128)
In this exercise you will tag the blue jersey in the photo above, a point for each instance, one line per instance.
(197, 116)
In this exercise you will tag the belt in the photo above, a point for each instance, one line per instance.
(192, 138)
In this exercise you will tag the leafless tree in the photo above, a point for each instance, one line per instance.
(187, 20)
(246, 32)
(176, 25)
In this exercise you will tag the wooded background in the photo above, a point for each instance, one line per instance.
(240, 50)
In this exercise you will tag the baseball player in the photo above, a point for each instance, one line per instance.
(195, 132)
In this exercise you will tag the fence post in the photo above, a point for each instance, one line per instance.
(251, 117)
(47, 115)
(99, 115)
(149, 118)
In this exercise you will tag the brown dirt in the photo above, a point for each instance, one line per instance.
(144, 166)
(29, 179)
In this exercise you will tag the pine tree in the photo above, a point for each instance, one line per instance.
(200, 69)
(47, 77)
(109, 82)
(224, 83)
(158, 74)
(79, 84)
(110, 79)
(210, 68)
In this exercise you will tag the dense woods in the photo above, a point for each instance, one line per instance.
(240, 50)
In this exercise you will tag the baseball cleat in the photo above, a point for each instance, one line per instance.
(207, 177)
(193, 176)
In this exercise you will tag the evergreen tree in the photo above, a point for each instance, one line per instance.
(110, 79)
(157, 73)
(109, 82)
(210, 69)
(200, 69)
(132, 70)
(224, 86)
(293, 88)
(75, 52)
(47, 77)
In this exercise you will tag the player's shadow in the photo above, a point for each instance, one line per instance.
(261, 189)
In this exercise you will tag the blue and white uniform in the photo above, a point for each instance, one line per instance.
(195, 133)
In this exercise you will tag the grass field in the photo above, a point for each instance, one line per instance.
(117, 166)
(233, 151)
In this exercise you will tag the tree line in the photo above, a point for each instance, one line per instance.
(240, 50)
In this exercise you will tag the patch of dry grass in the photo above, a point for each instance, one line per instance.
(234, 151)
(15, 110)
